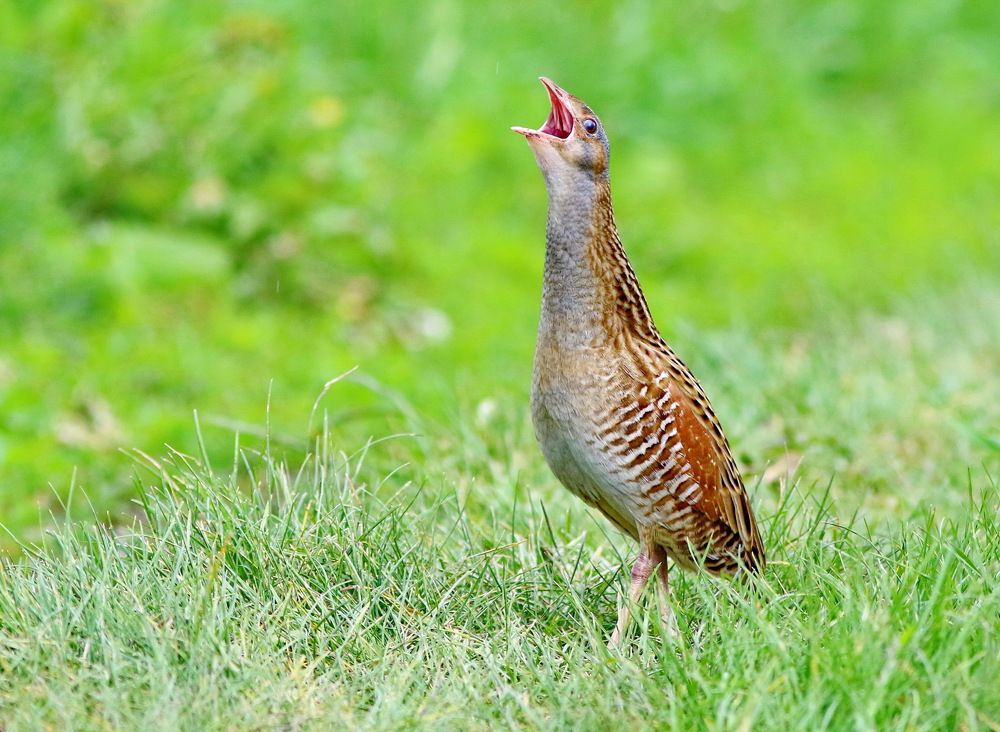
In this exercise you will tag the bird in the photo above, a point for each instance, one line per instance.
(620, 419)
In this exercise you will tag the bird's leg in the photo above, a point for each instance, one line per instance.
(667, 617)
(650, 556)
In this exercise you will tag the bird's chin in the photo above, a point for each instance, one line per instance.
(547, 155)
(544, 146)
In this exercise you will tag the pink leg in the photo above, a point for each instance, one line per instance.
(650, 557)
(666, 611)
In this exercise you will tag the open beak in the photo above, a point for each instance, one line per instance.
(559, 124)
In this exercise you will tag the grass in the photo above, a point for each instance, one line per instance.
(202, 203)
(310, 604)
(465, 590)
(216, 208)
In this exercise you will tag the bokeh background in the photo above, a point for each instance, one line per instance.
(221, 206)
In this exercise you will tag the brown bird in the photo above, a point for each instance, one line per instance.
(622, 422)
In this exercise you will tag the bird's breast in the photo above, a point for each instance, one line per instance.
(568, 397)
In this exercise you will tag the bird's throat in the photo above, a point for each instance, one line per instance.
(589, 287)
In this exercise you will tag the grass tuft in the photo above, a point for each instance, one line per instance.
(333, 596)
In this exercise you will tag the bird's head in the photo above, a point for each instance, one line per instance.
(571, 144)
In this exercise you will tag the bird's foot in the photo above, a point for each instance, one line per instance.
(668, 622)
(670, 629)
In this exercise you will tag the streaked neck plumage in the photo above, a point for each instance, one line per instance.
(590, 294)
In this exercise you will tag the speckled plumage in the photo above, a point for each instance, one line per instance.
(621, 420)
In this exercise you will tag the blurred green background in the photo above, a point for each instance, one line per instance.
(202, 204)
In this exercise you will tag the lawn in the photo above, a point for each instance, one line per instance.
(209, 212)
(463, 590)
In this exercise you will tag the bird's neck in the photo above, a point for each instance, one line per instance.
(590, 293)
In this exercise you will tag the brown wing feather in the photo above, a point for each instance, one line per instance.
(722, 518)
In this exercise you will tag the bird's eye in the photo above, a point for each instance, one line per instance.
(590, 125)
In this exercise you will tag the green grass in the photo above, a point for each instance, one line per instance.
(319, 606)
(309, 604)
(218, 208)
(445, 581)
(205, 202)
